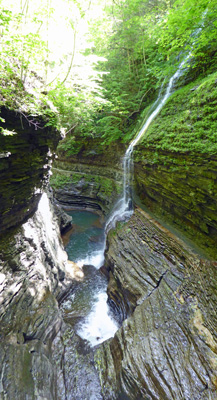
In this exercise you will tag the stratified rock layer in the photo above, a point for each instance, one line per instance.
(91, 179)
(35, 274)
(167, 348)
(24, 165)
(36, 346)
(182, 189)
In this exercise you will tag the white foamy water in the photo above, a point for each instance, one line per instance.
(96, 259)
(99, 326)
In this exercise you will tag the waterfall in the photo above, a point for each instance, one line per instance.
(124, 207)
(92, 328)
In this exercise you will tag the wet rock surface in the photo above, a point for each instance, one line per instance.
(167, 348)
(24, 165)
(39, 358)
(64, 220)
(182, 189)
(91, 179)
(76, 375)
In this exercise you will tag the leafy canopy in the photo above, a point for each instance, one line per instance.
(92, 66)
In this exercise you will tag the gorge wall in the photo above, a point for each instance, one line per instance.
(167, 347)
(176, 163)
(36, 344)
(182, 190)
(164, 291)
(33, 265)
(90, 179)
(24, 165)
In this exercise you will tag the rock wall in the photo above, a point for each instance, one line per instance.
(182, 189)
(36, 345)
(24, 165)
(91, 179)
(34, 276)
(167, 347)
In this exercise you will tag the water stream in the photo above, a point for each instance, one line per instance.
(87, 309)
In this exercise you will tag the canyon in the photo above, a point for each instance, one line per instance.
(160, 265)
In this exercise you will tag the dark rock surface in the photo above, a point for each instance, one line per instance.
(90, 179)
(167, 348)
(181, 188)
(39, 359)
(64, 219)
(24, 165)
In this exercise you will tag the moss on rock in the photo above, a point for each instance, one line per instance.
(176, 162)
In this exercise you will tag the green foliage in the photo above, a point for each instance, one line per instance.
(31, 81)
(6, 132)
(143, 42)
(70, 146)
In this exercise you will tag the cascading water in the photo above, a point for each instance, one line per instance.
(86, 309)
(124, 207)
(99, 325)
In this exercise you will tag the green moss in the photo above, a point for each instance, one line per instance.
(105, 185)
(62, 180)
(188, 121)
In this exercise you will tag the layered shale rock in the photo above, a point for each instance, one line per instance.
(91, 179)
(182, 189)
(167, 347)
(40, 355)
(35, 275)
(24, 165)
(176, 162)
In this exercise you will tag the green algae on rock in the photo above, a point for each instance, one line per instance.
(176, 163)
(91, 179)
(24, 165)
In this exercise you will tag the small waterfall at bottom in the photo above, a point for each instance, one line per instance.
(86, 309)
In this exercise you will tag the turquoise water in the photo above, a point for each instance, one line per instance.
(86, 308)
(87, 238)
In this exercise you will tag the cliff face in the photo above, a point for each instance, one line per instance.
(167, 347)
(34, 274)
(176, 162)
(23, 165)
(33, 265)
(182, 189)
(90, 179)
